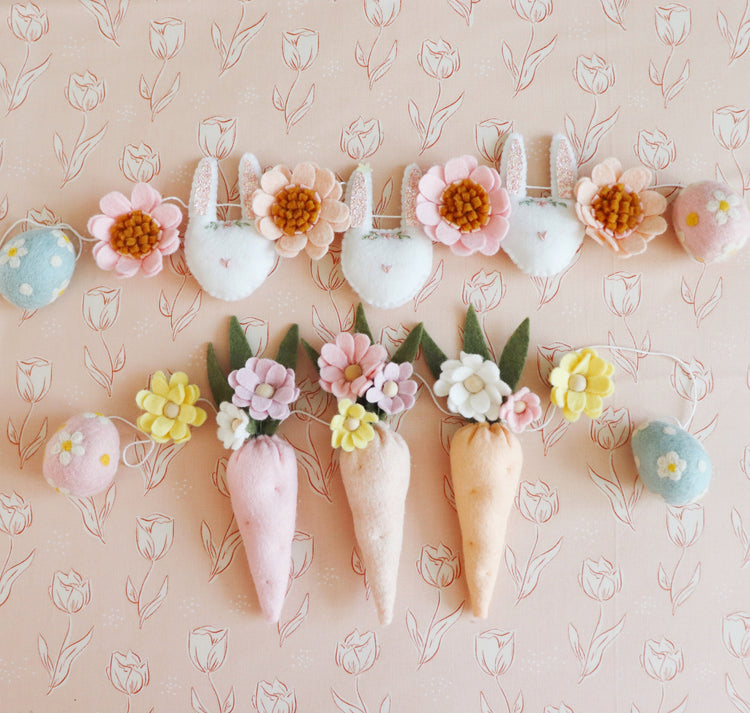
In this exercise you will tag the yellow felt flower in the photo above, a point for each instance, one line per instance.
(580, 383)
(350, 427)
(169, 408)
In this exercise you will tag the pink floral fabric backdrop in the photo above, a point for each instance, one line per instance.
(139, 599)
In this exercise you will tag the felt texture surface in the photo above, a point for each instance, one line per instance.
(36, 267)
(513, 358)
(486, 461)
(386, 268)
(671, 462)
(376, 480)
(230, 259)
(711, 221)
(262, 481)
(81, 457)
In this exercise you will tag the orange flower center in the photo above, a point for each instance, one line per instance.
(352, 372)
(134, 234)
(617, 210)
(296, 209)
(465, 205)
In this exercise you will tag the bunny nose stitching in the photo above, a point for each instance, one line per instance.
(386, 268)
(542, 234)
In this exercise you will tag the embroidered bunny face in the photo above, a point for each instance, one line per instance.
(386, 268)
(230, 259)
(544, 234)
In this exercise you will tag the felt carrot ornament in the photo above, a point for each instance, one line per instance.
(262, 472)
(485, 454)
(374, 459)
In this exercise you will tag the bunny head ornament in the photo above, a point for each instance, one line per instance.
(544, 234)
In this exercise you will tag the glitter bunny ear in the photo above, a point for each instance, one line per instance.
(513, 165)
(249, 181)
(359, 198)
(203, 192)
(409, 193)
(563, 168)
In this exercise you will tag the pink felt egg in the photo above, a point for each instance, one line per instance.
(81, 457)
(710, 220)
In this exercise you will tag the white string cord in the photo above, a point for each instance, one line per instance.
(176, 199)
(309, 415)
(135, 444)
(56, 226)
(210, 403)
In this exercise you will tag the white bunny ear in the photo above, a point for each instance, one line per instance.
(513, 165)
(203, 192)
(409, 193)
(359, 197)
(249, 182)
(563, 168)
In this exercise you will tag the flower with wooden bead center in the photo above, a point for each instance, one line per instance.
(473, 384)
(577, 382)
(171, 409)
(265, 391)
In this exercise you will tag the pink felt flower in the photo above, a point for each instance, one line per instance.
(300, 209)
(348, 365)
(392, 389)
(265, 388)
(135, 234)
(464, 206)
(520, 409)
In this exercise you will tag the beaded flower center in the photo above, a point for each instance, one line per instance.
(390, 389)
(296, 209)
(577, 382)
(351, 424)
(473, 384)
(519, 407)
(171, 410)
(352, 372)
(266, 391)
(134, 234)
(465, 205)
(618, 210)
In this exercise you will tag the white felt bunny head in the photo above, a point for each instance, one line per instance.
(230, 259)
(544, 233)
(386, 268)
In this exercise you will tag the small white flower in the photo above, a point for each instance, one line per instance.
(473, 387)
(670, 465)
(63, 241)
(68, 445)
(13, 253)
(232, 421)
(62, 288)
(724, 206)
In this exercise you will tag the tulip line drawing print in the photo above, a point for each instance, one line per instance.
(355, 655)
(168, 308)
(217, 136)
(489, 137)
(33, 381)
(207, 649)
(222, 553)
(107, 19)
(662, 661)
(735, 630)
(429, 287)
(693, 381)
(362, 138)
(554, 425)
(440, 61)
(129, 674)
(738, 40)
(380, 14)
(70, 593)
(166, 39)
(523, 73)
(299, 50)
(673, 24)
(29, 24)
(655, 150)
(684, 528)
(101, 308)
(303, 551)
(690, 296)
(494, 651)
(615, 11)
(4, 199)
(547, 288)
(465, 9)
(485, 290)
(15, 517)
(310, 460)
(731, 128)
(140, 164)
(622, 295)
(94, 518)
(154, 465)
(231, 53)
(274, 697)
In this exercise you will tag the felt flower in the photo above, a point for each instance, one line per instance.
(520, 409)
(348, 365)
(392, 390)
(723, 206)
(473, 387)
(265, 388)
(67, 446)
(464, 206)
(351, 427)
(169, 409)
(670, 465)
(580, 383)
(232, 422)
(300, 209)
(13, 252)
(135, 234)
(617, 210)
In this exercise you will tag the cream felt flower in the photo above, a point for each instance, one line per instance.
(67, 446)
(232, 422)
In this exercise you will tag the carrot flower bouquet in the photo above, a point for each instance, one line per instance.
(252, 400)
(374, 460)
(485, 454)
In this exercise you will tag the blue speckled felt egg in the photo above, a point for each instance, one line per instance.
(36, 267)
(671, 462)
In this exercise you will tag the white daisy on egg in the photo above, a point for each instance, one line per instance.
(670, 465)
(232, 422)
(724, 206)
(13, 253)
(67, 446)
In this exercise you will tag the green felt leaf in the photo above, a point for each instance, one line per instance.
(513, 357)
(220, 388)
(433, 354)
(239, 348)
(269, 426)
(314, 356)
(287, 354)
(410, 346)
(360, 323)
(474, 341)
(252, 428)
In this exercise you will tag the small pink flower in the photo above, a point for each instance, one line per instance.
(265, 388)
(392, 389)
(520, 409)
(135, 234)
(463, 205)
(348, 365)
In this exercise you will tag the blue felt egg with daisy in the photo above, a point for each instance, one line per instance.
(36, 267)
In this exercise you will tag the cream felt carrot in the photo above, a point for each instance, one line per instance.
(375, 461)
(262, 471)
(485, 455)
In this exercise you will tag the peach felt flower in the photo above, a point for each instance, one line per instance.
(464, 206)
(135, 234)
(348, 365)
(300, 209)
(617, 210)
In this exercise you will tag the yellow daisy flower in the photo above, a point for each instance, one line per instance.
(350, 427)
(580, 383)
(169, 408)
